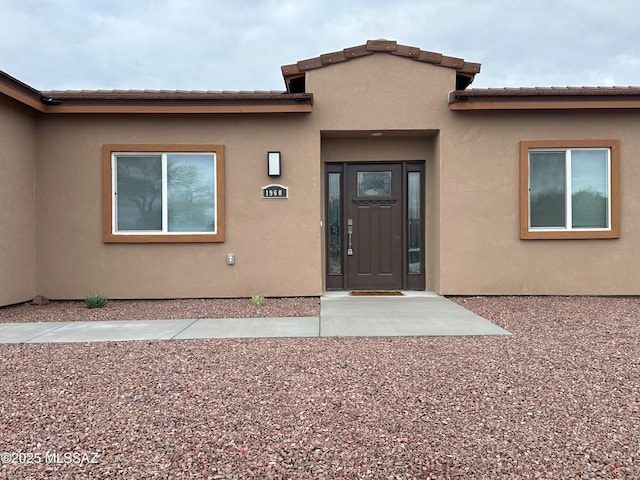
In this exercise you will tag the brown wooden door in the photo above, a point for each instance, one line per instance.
(374, 218)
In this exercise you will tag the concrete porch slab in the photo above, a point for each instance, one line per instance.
(414, 314)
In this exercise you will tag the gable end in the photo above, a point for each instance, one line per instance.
(294, 74)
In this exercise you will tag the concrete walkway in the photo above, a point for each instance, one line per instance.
(414, 314)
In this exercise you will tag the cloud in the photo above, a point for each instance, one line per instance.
(231, 45)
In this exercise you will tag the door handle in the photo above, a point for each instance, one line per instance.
(349, 234)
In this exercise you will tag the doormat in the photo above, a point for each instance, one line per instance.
(375, 293)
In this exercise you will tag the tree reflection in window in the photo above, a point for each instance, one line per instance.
(139, 193)
(190, 197)
(189, 182)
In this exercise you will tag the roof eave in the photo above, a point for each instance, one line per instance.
(21, 92)
(549, 98)
(554, 104)
(180, 107)
(154, 101)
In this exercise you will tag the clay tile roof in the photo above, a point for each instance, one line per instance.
(160, 95)
(294, 74)
(550, 91)
(155, 100)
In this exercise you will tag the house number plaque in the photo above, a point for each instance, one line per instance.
(275, 191)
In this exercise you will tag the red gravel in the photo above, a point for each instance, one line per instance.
(559, 399)
(69, 311)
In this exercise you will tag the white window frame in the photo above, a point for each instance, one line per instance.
(568, 190)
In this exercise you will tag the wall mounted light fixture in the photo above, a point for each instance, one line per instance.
(274, 164)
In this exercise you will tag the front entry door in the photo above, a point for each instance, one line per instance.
(374, 226)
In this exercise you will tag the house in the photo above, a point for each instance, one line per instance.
(378, 168)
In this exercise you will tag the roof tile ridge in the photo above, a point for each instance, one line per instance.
(380, 46)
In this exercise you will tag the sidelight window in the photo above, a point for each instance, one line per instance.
(335, 218)
(414, 228)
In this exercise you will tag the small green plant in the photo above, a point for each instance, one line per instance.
(95, 300)
(257, 300)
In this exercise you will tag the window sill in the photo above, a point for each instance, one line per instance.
(569, 234)
(164, 238)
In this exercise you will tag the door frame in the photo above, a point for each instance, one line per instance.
(336, 241)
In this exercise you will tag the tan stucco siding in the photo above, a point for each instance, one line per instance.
(276, 242)
(51, 192)
(482, 252)
(17, 198)
(377, 149)
(380, 92)
(407, 102)
(472, 175)
(432, 218)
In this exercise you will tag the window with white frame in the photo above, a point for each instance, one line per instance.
(170, 194)
(571, 189)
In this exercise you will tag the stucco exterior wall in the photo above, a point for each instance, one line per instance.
(432, 218)
(472, 179)
(403, 99)
(482, 252)
(17, 201)
(276, 242)
(380, 92)
(51, 192)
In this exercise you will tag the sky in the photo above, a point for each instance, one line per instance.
(241, 44)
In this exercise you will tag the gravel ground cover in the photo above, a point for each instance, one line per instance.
(559, 399)
(68, 311)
